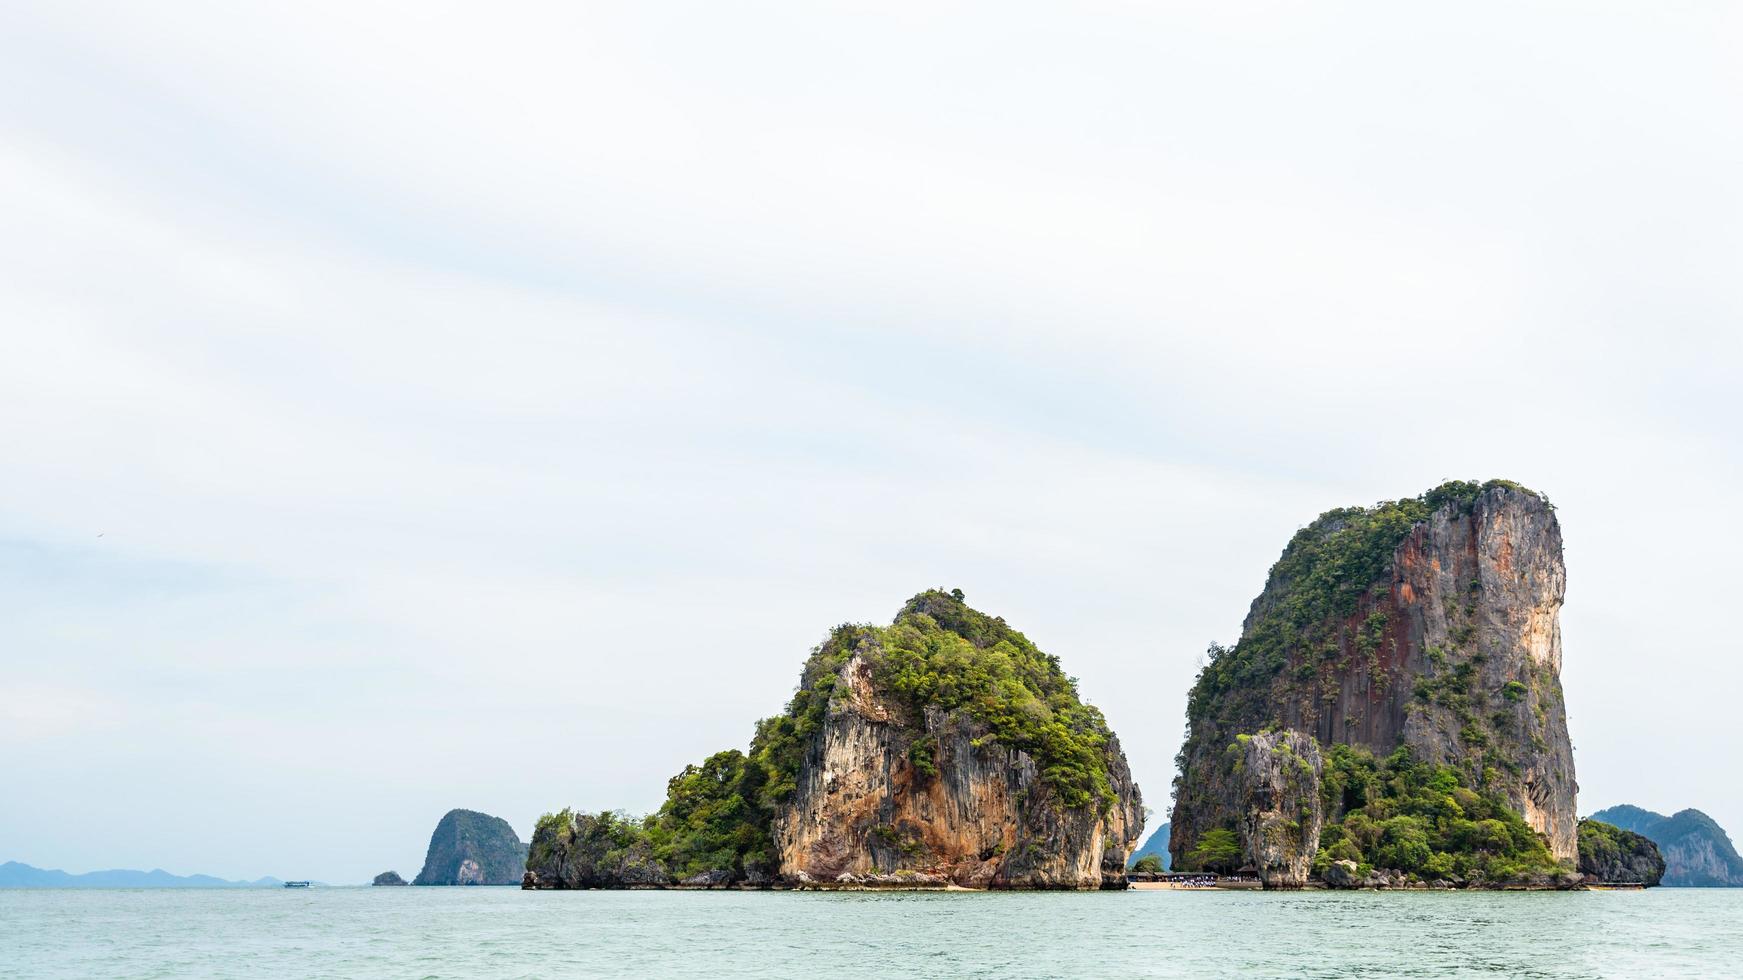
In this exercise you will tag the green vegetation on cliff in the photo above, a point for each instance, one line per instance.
(713, 818)
(1423, 819)
(938, 654)
(588, 850)
(1324, 572)
(712, 821)
(942, 654)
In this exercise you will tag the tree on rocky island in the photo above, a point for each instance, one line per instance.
(1218, 851)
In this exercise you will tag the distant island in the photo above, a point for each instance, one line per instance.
(1697, 851)
(1154, 846)
(471, 848)
(16, 875)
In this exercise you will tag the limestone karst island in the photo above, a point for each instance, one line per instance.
(1391, 716)
(944, 749)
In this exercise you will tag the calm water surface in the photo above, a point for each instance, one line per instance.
(504, 932)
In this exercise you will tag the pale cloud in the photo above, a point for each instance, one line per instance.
(35, 713)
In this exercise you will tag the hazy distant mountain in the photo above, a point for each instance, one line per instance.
(1697, 851)
(1157, 844)
(16, 875)
(472, 848)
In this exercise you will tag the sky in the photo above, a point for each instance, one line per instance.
(407, 406)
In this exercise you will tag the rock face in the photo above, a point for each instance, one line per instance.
(983, 820)
(1611, 855)
(1696, 850)
(388, 878)
(1280, 810)
(1342, 875)
(888, 786)
(471, 848)
(1430, 623)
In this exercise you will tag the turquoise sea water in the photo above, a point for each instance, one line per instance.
(504, 932)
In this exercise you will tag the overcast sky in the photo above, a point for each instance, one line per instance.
(415, 405)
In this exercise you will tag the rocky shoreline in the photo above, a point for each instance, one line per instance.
(801, 882)
(919, 881)
(1383, 880)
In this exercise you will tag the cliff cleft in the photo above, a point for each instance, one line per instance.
(1428, 625)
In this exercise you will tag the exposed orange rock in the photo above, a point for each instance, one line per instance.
(984, 819)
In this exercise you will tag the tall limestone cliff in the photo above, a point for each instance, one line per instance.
(942, 749)
(1430, 624)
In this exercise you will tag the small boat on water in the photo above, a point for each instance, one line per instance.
(296, 884)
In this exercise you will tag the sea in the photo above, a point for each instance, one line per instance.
(505, 932)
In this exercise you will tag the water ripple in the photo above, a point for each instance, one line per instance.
(441, 933)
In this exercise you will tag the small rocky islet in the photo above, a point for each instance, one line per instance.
(1612, 855)
(1391, 716)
